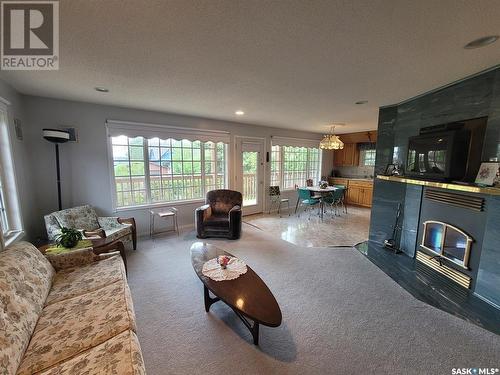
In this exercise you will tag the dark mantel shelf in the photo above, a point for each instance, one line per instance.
(443, 185)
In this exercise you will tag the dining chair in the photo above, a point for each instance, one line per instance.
(275, 199)
(344, 196)
(335, 199)
(306, 200)
(310, 183)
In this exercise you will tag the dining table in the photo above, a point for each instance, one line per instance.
(322, 191)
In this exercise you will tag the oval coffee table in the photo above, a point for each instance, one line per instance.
(248, 295)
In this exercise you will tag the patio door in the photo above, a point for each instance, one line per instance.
(251, 175)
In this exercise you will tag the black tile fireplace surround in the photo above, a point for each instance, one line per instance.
(475, 97)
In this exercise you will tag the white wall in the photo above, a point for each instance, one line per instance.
(85, 172)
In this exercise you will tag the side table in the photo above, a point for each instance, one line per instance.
(170, 212)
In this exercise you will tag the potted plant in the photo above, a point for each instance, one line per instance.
(68, 238)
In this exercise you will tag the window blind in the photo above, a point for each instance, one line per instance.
(117, 128)
(296, 142)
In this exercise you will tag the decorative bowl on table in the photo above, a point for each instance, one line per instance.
(323, 184)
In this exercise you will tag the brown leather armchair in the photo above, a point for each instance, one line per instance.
(220, 216)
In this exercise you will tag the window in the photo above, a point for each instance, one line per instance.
(10, 213)
(367, 158)
(292, 165)
(157, 170)
(4, 223)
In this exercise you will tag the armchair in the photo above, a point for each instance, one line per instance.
(85, 219)
(220, 216)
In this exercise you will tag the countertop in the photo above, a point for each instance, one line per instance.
(443, 185)
(355, 178)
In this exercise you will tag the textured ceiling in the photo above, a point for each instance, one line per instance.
(293, 64)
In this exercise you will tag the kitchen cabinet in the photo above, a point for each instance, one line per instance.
(359, 191)
(348, 156)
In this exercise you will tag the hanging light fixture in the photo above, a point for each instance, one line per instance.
(331, 141)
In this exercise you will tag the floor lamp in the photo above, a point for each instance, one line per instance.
(57, 136)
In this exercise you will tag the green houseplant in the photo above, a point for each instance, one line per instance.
(68, 237)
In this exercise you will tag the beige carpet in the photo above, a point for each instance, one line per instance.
(308, 230)
(341, 315)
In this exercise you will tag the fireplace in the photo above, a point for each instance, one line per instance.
(447, 242)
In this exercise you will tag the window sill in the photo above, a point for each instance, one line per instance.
(13, 237)
(159, 205)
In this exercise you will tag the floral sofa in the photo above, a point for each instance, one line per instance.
(84, 218)
(68, 314)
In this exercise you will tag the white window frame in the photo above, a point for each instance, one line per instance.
(362, 161)
(12, 207)
(307, 162)
(132, 129)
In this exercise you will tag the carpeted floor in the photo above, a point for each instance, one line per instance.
(341, 315)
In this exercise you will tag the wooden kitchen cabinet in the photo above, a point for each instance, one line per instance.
(367, 197)
(348, 156)
(360, 193)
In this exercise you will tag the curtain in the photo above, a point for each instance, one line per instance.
(296, 142)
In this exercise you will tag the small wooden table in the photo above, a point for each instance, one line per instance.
(99, 246)
(248, 295)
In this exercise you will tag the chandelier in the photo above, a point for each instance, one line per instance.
(331, 141)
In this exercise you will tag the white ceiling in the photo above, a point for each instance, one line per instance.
(291, 63)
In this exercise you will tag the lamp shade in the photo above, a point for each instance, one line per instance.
(331, 142)
(56, 135)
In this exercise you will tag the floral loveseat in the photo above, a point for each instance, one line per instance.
(72, 315)
(84, 218)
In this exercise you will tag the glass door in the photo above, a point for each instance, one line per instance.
(252, 176)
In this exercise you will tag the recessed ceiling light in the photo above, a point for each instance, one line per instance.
(481, 42)
(239, 112)
(361, 102)
(101, 89)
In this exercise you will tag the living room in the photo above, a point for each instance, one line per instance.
(236, 186)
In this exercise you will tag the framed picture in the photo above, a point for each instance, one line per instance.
(393, 170)
(487, 173)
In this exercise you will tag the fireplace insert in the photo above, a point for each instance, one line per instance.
(447, 241)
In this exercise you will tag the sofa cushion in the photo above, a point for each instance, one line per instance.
(76, 281)
(25, 280)
(218, 221)
(82, 217)
(119, 355)
(69, 327)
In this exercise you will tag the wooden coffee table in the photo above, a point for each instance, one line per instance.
(100, 246)
(248, 295)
